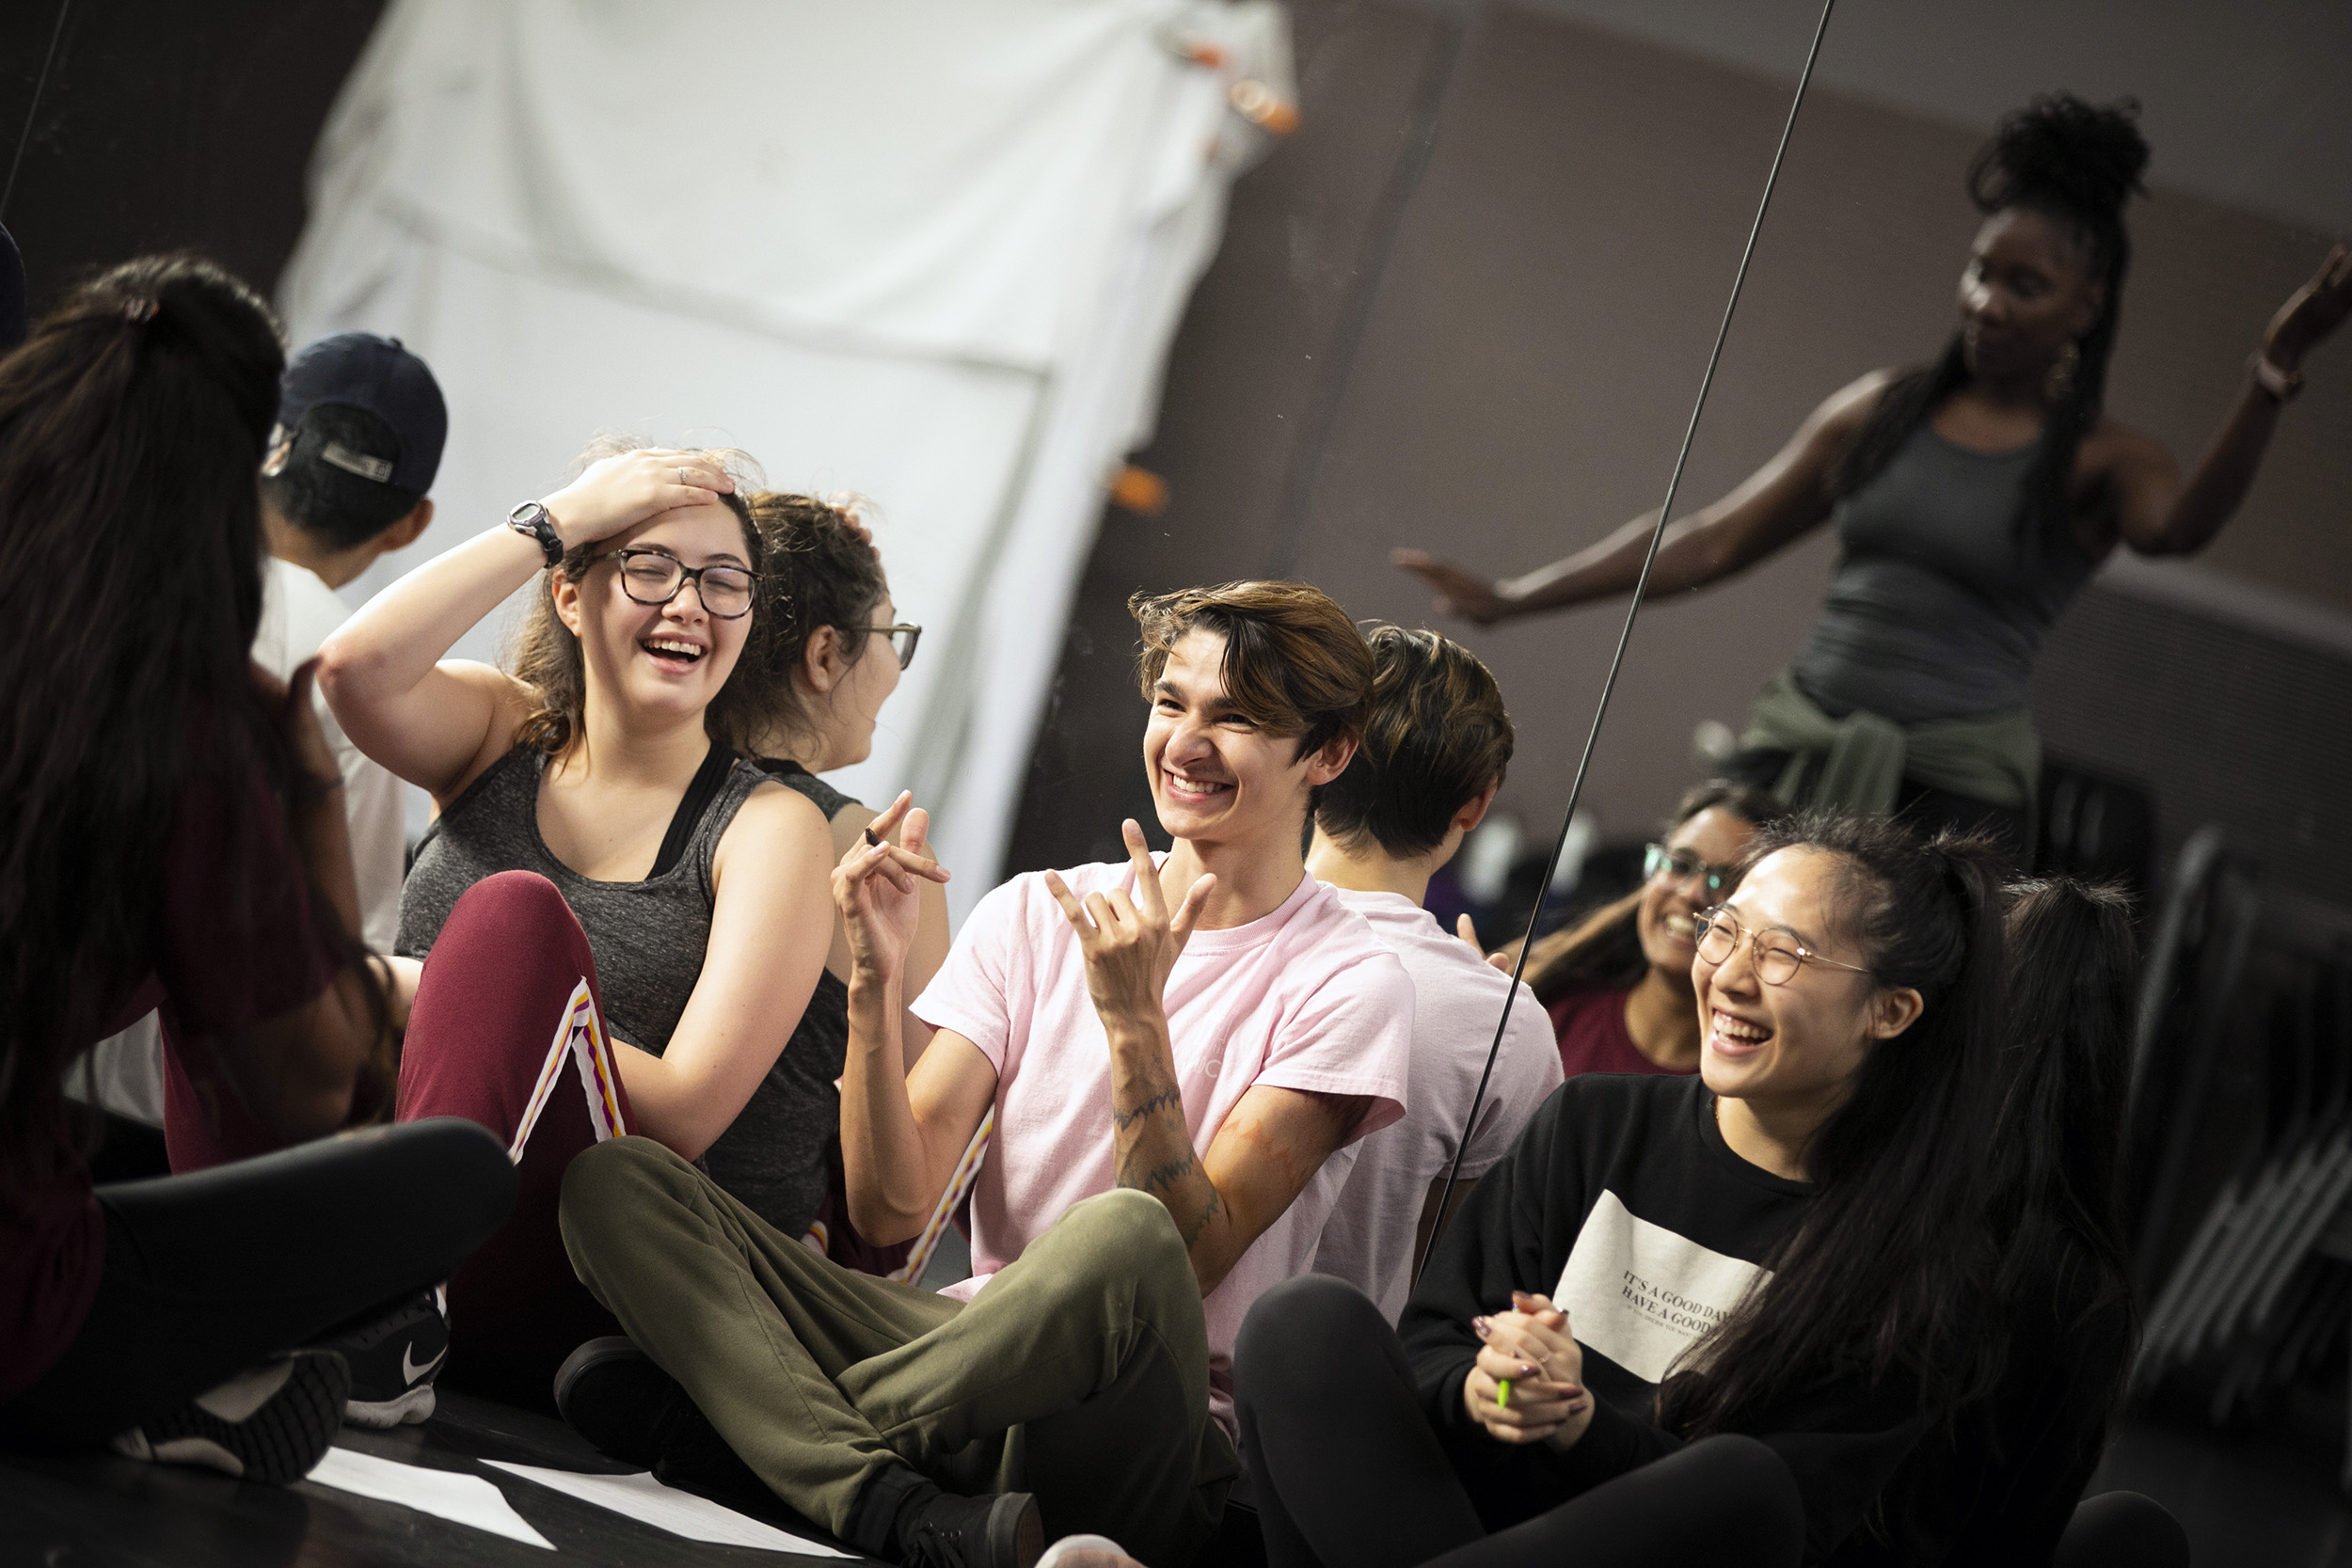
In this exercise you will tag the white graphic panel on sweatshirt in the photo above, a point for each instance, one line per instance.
(1640, 1293)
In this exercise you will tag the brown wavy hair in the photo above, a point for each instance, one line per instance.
(820, 573)
(1435, 736)
(545, 656)
(1295, 664)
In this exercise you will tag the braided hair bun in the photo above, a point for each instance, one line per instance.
(2063, 156)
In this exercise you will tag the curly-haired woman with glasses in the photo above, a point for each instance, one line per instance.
(621, 917)
(1618, 983)
(1766, 1315)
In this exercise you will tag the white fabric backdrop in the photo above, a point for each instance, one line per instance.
(929, 250)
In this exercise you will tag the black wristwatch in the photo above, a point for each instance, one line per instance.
(531, 519)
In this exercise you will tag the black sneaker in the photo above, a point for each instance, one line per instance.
(619, 1399)
(1000, 1529)
(394, 1361)
(270, 1424)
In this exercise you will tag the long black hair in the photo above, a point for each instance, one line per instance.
(2056, 1154)
(1603, 951)
(2076, 163)
(132, 427)
(1890, 1268)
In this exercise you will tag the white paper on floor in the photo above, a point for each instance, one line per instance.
(643, 1498)
(443, 1494)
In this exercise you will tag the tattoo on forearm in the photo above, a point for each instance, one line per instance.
(1164, 1100)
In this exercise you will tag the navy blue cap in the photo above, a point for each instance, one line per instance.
(12, 321)
(359, 369)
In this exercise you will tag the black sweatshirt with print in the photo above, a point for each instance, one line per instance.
(1622, 1202)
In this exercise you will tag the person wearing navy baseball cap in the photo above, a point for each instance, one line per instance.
(360, 425)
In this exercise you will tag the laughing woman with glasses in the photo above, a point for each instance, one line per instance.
(621, 918)
(1618, 983)
(1762, 1316)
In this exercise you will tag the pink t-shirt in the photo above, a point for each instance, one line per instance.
(1304, 998)
(1457, 997)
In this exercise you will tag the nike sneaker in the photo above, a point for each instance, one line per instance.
(393, 1360)
(272, 1423)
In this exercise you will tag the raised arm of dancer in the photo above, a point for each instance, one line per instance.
(2156, 512)
(901, 1131)
(439, 725)
(1271, 1143)
(1781, 501)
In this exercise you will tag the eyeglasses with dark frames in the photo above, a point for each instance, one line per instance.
(902, 640)
(1684, 866)
(1777, 954)
(652, 576)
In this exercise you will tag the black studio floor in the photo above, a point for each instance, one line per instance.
(83, 1513)
(2244, 1503)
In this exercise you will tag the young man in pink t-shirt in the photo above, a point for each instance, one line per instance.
(1434, 746)
(1179, 1054)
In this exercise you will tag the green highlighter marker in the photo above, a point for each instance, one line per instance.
(1502, 1393)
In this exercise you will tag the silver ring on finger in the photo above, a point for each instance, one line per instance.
(682, 479)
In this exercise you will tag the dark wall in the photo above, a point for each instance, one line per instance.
(168, 124)
(1508, 375)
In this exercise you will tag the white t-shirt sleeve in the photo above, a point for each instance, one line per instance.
(1352, 1034)
(972, 993)
(1527, 1070)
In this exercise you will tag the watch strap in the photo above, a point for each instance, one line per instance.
(530, 519)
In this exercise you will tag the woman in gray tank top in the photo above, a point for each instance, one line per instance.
(656, 993)
(1973, 498)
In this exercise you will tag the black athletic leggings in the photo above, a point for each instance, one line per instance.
(209, 1274)
(1349, 1474)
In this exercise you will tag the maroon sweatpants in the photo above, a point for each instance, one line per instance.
(508, 1031)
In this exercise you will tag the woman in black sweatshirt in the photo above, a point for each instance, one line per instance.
(1798, 1308)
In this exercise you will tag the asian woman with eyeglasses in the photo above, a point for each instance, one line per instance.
(1761, 1316)
(1618, 983)
(622, 918)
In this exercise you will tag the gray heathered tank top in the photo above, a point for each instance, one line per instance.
(1936, 609)
(648, 939)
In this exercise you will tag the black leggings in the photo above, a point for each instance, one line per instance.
(1348, 1471)
(208, 1274)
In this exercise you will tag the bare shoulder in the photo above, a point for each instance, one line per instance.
(775, 821)
(1845, 411)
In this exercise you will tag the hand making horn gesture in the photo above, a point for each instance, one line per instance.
(874, 888)
(1131, 943)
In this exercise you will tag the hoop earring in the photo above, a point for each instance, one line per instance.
(2060, 380)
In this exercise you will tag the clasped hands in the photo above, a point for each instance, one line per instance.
(1527, 1383)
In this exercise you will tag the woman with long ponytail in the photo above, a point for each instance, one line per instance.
(1736, 1317)
(173, 840)
(1973, 497)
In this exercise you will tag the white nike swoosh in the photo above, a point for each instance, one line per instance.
(410, 1371)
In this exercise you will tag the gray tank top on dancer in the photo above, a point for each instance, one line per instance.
(1936, 610)
(648, 939)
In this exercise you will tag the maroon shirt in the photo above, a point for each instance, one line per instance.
(1590, 1025)
(236, 941)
